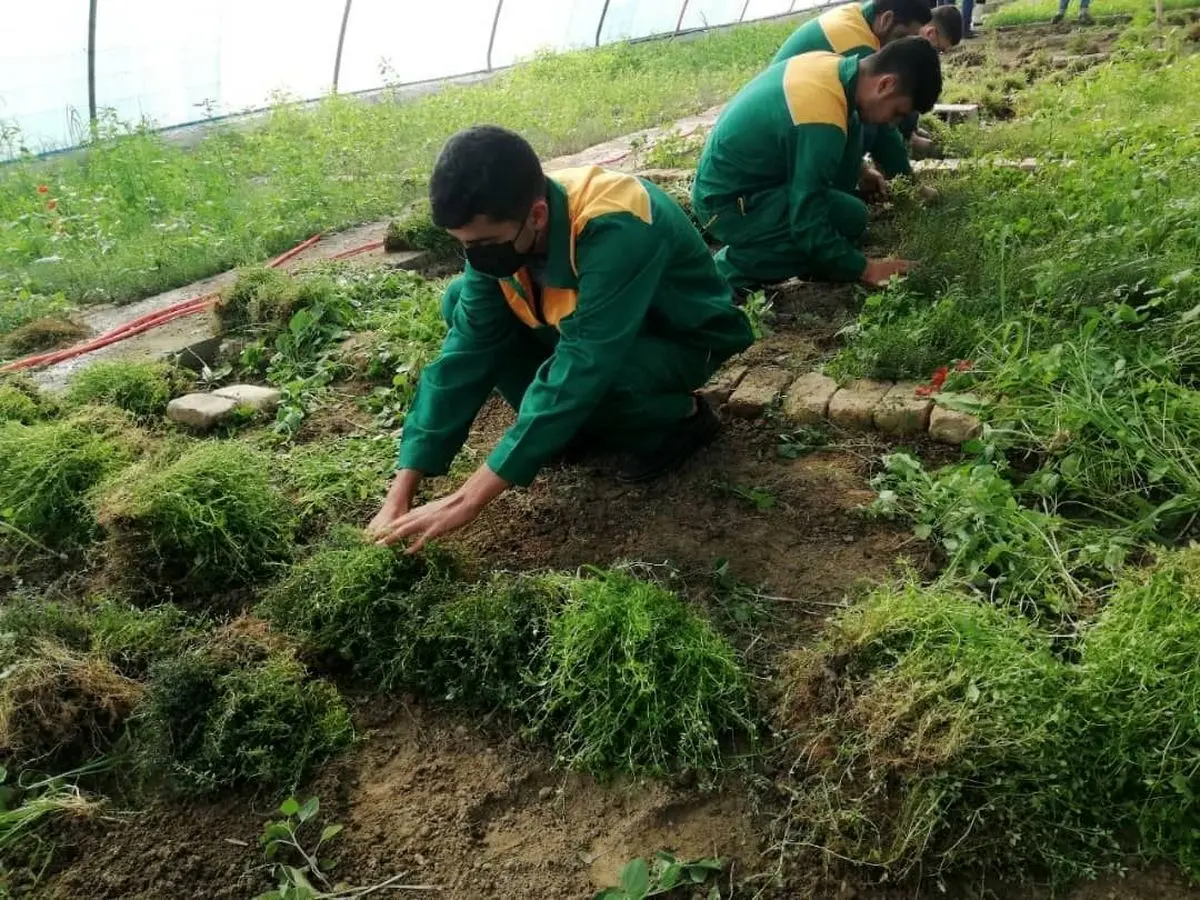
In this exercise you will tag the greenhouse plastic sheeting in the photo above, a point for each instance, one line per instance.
(171, 64)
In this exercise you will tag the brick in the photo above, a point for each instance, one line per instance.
(254, 396)
(901, 412)
(200, 411)
(957, 112)
(854, 405)
(758, 390)
(723, 384)
(950, 426)
(807, 401)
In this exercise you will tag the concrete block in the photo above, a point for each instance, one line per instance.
(955, 113)
(200, 411)
(723, 384)
(757, 391)
(807, 401)
(901, 412)
(854, 405)
(952, 427)
(254, 396)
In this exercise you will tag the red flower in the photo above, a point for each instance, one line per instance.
(935, 383)
(42, 189)
(51, 204)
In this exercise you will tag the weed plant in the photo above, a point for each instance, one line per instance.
(22, 401)
(415, 230)
(210, 521)
(260, 297)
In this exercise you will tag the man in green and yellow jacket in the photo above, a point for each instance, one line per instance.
(589, 302)
(860, 30)
(777, 178)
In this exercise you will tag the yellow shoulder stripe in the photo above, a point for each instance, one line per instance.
(846, 28)
(815, 94)
(593, 192)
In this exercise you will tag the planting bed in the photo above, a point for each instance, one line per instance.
(848, 650)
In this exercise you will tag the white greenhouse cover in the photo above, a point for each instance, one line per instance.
(174, 62)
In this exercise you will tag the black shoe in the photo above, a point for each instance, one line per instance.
(1057, 20)
(690, 435)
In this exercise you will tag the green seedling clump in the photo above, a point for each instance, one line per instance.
(22, 401)
(237, 710)
(482, 645)
(414, 230)
(359, 605)
(259, 297)
(140, 388)
(50, 468)
(935, 734)
(636, 682)
(210, 521)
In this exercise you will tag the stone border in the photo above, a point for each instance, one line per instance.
(891, 408)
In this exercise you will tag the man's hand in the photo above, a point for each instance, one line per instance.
(397, 503)
(872, 183)
(880, 271)
(441, 517)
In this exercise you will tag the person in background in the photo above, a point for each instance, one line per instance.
(1085, 17)
(945, 32)
(589, 302)
(777, 178)
(968, 16)
(860, 30)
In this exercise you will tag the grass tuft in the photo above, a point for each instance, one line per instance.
(50, 468)
(635, 682)
(208, 522)
(142, 388)
(415, 230)
(41, 334)
(260, 296)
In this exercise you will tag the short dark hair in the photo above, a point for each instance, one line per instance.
(484, 171)
(914, 62)
(906, 12)
(949, 22)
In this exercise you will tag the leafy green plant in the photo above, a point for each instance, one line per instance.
(664, 875)
(1033, 558)
(803, 440)
(140, 388)
(635, 682)
(208, 521)
(281, 840)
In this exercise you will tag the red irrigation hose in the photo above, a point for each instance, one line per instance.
(354, 251)
(157, 317)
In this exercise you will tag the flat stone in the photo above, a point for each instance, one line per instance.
(807, 401)
(254, 396)
(957, 112)
(202, 353)
(200, 411)
(758, 390)
(901, 412)
(723, 384)
(854, 405)
(950, 426)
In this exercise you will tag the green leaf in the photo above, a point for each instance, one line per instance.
(290, 806)
(310, 808)
(635, 878)
(330, 831)
(670, 876)
(609, 893)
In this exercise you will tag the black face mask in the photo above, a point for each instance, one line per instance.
(498, 260)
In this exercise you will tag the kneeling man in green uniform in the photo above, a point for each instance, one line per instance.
(778, 176)
(589, 302)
